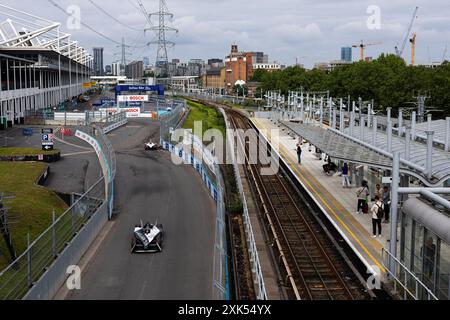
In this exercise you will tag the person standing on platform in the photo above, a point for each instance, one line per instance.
(378, 192)
(363, 195)
(386, 203)
(377, 215)
(345, 181)
(299, 153)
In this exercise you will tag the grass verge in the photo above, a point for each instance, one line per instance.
(211, 118)
(23, 152)
(32, 208)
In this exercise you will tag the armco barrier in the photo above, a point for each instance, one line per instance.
(114, 126)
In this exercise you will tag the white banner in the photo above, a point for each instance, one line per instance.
(134, 98)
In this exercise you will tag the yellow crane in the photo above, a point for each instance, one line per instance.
(362, 46)
(413, 48)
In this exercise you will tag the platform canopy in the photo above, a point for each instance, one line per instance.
(341, 147)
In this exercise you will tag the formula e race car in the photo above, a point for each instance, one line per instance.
(152, 146)
(147, 238)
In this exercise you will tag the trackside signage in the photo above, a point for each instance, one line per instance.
(131, 112)
(134, 98)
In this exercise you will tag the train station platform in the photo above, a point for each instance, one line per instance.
(338, 204)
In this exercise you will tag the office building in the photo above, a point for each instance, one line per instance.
(346, 54)
(134, 70)
(98, 61)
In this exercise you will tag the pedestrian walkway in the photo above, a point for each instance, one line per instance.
(337, 203)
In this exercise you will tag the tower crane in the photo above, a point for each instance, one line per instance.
(362, 46)
(445, 53)
(413, 48)
(399, 52)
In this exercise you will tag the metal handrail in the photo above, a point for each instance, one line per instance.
(49, 229)
(431, 295)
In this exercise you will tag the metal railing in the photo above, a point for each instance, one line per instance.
(251, 243)
(27, 269)
(19, 276)
(172, 119)
(409, 283)
(216, 97)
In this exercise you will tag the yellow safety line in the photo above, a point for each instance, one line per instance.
(326, 204)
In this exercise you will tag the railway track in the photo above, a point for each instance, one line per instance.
(313, 267)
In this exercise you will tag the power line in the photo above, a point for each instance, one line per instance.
(112, 17)
(89, 27)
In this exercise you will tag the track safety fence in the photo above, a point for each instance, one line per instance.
(195, 154)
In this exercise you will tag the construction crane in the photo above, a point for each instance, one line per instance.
(362, 46)
(413, 48)
(399, 52)
(445, 53)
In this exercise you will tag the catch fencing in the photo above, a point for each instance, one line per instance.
(196, 155)
(173, 119)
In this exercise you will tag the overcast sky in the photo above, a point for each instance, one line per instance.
(310, 30)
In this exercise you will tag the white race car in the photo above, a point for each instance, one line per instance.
(151, 146)
(147, 238)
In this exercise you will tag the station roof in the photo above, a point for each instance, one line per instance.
(439, 128)
(432, 219)
(343, 148)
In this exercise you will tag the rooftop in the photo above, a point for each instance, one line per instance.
(20, 31)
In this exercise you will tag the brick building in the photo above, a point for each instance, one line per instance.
(214, 79)
(238, 66)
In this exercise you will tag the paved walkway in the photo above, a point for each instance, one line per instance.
(338, 204)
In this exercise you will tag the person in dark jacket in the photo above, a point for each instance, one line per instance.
(345, 181)
(299, 153)
(386, 203)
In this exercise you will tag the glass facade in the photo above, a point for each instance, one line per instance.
(427, 256)
(346, 54)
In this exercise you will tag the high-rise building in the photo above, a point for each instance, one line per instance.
(98, 61)
(135, 70)
(259, 57)
(146, 61)
(108, 69)
(115, 69)
(346, 54)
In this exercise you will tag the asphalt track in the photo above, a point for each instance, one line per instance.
(150, 187)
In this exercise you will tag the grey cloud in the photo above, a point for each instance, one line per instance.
(285, 29)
